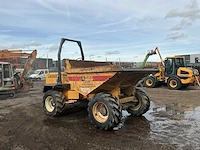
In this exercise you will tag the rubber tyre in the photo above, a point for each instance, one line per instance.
(150, 82)
(174, 83)
(104, 111)
(53, 103)
(143, 104)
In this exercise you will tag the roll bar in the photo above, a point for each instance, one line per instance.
(59, 54)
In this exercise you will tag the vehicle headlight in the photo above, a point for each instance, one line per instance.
(195, 71)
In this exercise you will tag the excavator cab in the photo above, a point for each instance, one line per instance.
(7, 83)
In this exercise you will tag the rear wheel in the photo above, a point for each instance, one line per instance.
(142, 104)
(150, 82)
(174, 83)
(53, 103)
(104, 111)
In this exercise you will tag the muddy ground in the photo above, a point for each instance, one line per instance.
(173, 122)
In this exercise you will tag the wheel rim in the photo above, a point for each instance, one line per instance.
(100, 112)
(137, 105)
(149, 82)
(49, 104)
(173, 83)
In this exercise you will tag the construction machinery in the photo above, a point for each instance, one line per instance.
(22, 84)
(108, 87)
(7, 81)
(173, 73)
(151, 52)
(13, 55)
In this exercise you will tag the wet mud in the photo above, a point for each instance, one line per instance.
(173, 122)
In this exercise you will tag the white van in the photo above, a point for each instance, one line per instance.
(39, 74)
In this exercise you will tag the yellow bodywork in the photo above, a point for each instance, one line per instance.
(83, 80)
(186, 75)
(86, 78)
(160, 74)
(51, 78)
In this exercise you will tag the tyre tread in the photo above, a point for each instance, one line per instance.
(115, 111)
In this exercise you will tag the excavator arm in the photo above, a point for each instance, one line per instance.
(25, 84)
(152, 52)
(22, 84)
(18, 53)
(13, 53)
(29, 62)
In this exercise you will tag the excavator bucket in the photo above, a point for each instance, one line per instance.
(24, 87)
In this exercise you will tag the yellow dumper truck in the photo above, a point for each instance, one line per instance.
(109, 89)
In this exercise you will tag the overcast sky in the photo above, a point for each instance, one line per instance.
(114, 29)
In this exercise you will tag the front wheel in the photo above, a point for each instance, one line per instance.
(104, 111)
(174, 83)
(142, 104)
(53, 103)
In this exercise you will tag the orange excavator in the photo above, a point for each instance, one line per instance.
(22, 84)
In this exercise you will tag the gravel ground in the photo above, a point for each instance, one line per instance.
(173, 122)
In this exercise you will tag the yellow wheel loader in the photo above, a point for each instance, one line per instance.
(173, 73)
(109, 89)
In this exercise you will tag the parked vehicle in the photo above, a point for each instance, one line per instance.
(39, 74)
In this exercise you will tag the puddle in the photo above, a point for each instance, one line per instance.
(175, 124)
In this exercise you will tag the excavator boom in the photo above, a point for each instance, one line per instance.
(29, 62)
(9, 55)
(12, 53)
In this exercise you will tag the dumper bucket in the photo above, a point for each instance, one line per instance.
(88, 77)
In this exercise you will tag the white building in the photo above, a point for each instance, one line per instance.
(195, 58)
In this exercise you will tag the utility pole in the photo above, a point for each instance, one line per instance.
(47, 64)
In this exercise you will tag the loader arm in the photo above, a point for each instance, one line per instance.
(157, 50)
(59, 55)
